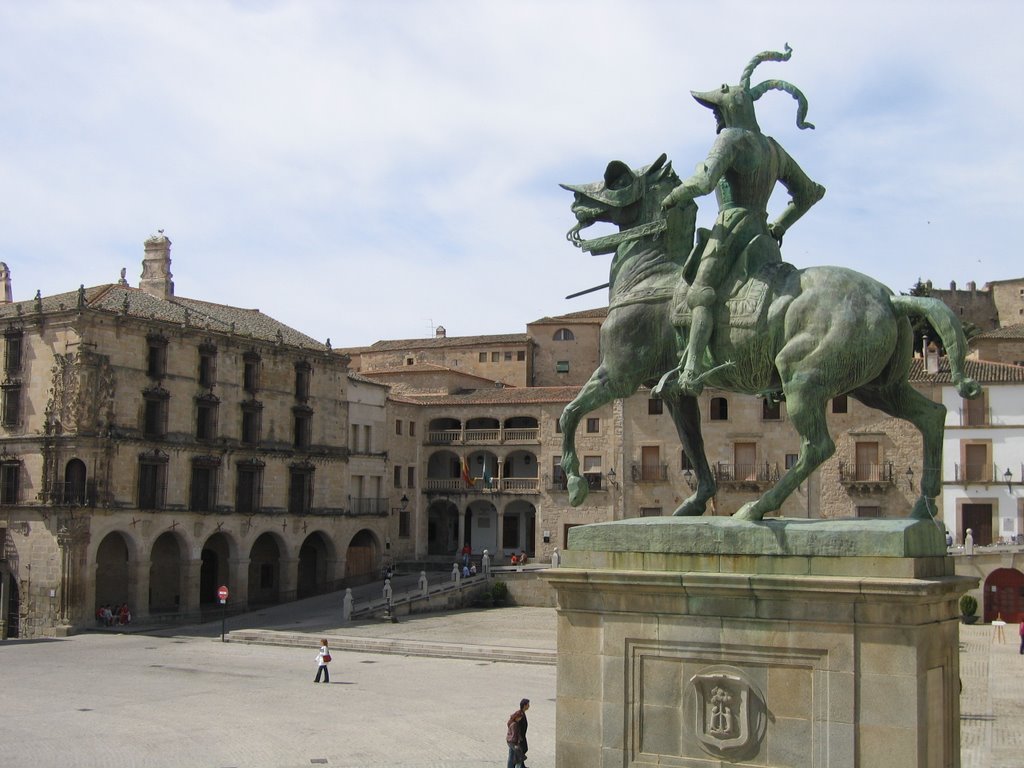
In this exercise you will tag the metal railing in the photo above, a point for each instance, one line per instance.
(726, 472)
(853, 472)
(369, 505)
(649, 473)
(980, 416)
(976, 473)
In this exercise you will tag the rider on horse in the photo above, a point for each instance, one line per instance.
(742, 167)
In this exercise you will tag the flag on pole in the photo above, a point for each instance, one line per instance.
(465, 473)
(488, 478)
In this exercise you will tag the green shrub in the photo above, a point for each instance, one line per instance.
(968, 605)
(499, 592)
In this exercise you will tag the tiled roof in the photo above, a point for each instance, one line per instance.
(586, 315)
(133, 302)
(500, 396)
(1006, 332)
(423, 368)
(359, 377)
(981, 371)
(446, 341)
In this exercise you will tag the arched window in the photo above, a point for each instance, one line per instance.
(719, 409)
(564, 334)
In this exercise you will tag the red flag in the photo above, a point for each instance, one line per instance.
(465, 473)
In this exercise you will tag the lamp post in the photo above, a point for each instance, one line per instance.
(910, 478)
(611, 478)
(688, 477)
(1008, 477)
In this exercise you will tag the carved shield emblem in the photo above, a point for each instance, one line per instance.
(728, 712)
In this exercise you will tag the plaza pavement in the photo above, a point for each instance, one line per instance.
(180, 697)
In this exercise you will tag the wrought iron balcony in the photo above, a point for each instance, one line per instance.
(748, 476)
(864, 477)
(365, 506)
(649, 473)
(985, 473)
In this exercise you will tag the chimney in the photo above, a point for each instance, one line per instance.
(972, 286)
(952, 285)
(156, 267)
(440, 332)
(5, 284)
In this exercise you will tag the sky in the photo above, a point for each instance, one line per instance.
(371, 170)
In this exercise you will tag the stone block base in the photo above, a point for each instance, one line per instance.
(720, 656)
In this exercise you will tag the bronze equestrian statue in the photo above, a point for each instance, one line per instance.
(805, 336)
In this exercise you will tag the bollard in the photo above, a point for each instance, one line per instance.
(424, 588)
(346, 605)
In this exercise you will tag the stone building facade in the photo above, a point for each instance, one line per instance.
(154, 448)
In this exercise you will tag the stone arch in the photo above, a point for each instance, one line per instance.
(362, 560)
(1004, 595)
(519, 524)
(113, 555)
(166, 573)
(265, 569)
(442, 527)
(315, 555)
(215, 568)
(10, 601)
(482, 526)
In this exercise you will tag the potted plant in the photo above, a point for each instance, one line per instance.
(968, 609)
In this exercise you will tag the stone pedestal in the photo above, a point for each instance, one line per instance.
(784, 643)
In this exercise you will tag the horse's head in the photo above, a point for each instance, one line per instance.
(625, 197)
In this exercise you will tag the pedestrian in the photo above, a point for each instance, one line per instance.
(323, 658)
(1022, 635)
(516, 736)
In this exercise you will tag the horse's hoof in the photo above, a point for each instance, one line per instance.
(691, 508)
(578, 489)
(748, 512)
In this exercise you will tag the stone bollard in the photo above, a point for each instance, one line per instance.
(485, 564)
(969, 543)
(456, 573)
(556, 558)
(346, 605)
(387, 590)
(424, 589)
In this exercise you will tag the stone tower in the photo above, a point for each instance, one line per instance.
(6, 296)
(156, 267)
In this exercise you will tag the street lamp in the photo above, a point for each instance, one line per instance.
(404, 502)
(611, 478)
(910, 478)
(1008, 477)
(688, 477)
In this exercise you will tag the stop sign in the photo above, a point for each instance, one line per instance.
(222, 593)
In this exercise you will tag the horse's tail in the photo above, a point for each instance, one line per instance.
(950, 331)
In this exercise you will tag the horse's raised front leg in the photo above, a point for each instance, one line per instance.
(595, 393)
(805, 401)
(686, 415)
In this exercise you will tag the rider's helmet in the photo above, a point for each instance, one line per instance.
(733, 105)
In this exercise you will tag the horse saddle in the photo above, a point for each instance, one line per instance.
(749, 288)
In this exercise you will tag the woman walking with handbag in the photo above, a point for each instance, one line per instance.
(323, 658)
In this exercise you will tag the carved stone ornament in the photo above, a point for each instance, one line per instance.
(729, 712)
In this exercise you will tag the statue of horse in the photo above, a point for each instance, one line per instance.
(804, 336)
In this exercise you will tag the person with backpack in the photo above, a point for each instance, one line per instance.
(516, 736)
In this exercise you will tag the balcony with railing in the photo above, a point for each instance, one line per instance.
(367, 506)
(863, 477)
(483, 485)
(745, 476)
(489, 436)
(74, 494)
(976, 415)
(984, 472)
(649, 473)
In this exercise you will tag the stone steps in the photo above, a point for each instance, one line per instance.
(396, 646)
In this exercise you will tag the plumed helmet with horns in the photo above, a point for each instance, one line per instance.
(734, 104)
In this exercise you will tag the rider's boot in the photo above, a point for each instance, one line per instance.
(700, 335)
